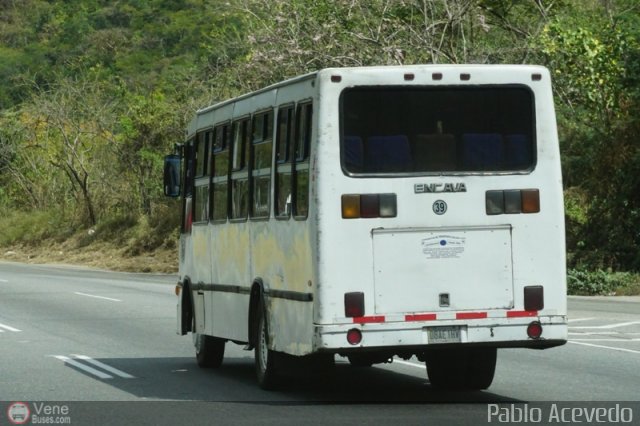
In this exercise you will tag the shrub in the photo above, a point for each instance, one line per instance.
(590, 283)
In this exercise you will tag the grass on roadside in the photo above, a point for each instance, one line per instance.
(118, 242)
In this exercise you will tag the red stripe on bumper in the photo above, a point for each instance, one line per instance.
(366, 320)
(471, 315)
(420, 317)
(518, 314)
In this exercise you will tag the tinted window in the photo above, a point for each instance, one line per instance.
(437, 129)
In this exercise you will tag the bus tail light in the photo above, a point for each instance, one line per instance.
(534, 330)
(512, 201)
(354, 304)
(368, 206)
(530, 201)
(350, 206)
(534, 298)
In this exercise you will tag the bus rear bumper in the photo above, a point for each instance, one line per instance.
(405, 335)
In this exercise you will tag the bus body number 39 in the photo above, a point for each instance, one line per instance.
(439, 207)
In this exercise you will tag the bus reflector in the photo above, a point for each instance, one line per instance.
(354, 304)
(368, 206)
(354, 336)
(530, 201)
(533, 298)
(534, 330)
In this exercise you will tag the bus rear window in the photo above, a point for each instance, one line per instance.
(422, 130)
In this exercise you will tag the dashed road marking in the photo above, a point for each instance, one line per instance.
(605, 347)
(97, 297)
(8, 328)
(580, 319)
(75, 362)
(605, 327)
(104, 366)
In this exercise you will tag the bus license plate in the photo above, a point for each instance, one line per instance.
(443, 334)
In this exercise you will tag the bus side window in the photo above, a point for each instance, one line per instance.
(220, 179)
(262, 145)
(189, 170)
(283, 183)
(304, 115)
(201, 196)
(239, 169)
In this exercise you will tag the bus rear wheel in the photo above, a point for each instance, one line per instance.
(461, 369)
(265, 358)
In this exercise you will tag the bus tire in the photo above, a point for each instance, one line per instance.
(461, 369)
(209, 349)
(481, 368)
(265, 358)
(359, 361)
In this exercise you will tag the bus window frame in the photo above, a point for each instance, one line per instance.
(203, 136)
(243, 169)
(304, 159)
(189, 181)
(265, 138)
(289, 161)
(226, 127)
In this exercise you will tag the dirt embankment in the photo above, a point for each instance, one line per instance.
(97, 255)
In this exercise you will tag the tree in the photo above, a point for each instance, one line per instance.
(71, 125)
(593, 53)
(149, 126)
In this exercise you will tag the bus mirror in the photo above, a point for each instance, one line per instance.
(172, 175)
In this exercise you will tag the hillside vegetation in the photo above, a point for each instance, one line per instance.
(94, 92)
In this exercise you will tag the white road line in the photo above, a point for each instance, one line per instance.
(97, 297)
(606, 340)
(104, 366)
(605, 347)
(3, 281)
(580, 319)
(81, 366)
(6, 327)
(602, 333)
(410, 364)
(604, 327)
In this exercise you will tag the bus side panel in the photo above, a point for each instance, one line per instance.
(231, 280)
(282, 258)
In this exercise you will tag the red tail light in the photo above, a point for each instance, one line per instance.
(354, 304)
(534, 298)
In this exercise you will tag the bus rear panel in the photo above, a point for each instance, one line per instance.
(441, 224)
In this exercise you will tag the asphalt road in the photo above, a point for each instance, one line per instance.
(71, 335)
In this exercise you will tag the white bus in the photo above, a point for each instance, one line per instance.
(373, 212)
